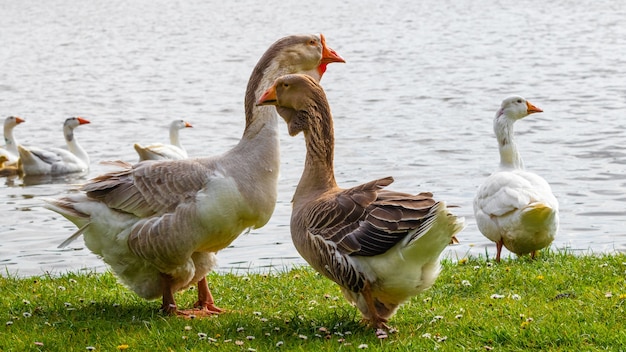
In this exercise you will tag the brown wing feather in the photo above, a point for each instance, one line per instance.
(367, 221)
(149, 187)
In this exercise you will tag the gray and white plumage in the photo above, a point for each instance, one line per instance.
(158, 224)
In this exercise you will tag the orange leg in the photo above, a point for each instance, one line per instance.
(169, 304)
(376, 321)
(498, 250)
(205, 298)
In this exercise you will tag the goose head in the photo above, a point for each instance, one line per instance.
(294, 95)
(516, 108)
(180, 124)
(12, 121)
(70, 124)
(305, 54)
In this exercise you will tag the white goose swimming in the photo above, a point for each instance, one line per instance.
(10, 148)
(160, 151)
(56, 161)
(158, 224)
(513, 207)
(381, 247)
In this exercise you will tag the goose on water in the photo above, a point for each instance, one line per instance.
(56, 161)
(160, 151)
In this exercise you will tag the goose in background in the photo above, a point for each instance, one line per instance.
(160, 151)
(56, 161)
(158, 224)
(9, 151)
(380, 246)
(7, 169)
(515, 208)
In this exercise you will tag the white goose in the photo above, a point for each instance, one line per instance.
(56, 161)
(513, 207)
(10, 149)
(160, 151)
(381, 247)
(158, 224)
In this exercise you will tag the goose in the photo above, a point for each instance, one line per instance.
(515, 208)
(160, 151)
(7, 169)
(10, 149)
(56, 161)
(380, 246)
(159, 224)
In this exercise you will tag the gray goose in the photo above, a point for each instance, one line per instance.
(158, 224)
(515, 208)
(381, 247)
(160, 151)
(56, 161)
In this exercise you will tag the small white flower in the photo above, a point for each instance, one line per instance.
(257, 313)
(25, 301)
(363, 346)
(426, 335)
(303, 337)
(279, 343)
(608, 295)
(466, 283)
(27, 315)
(489, 264)
(67, 304)
(476, 267)
(604, 265)
(210, 339)
(496, 296)
(458, 316)
(9, 323)
(263, 320)
(240, 329)
(268, 334)
(250, 337)
(90, 348)
(441, 338)
(72, 281)
(187, 328)
(202, 335)
(61, 288)
(516, 297)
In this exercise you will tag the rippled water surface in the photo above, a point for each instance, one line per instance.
(415, 100)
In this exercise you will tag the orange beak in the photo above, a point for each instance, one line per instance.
(187, 124)
(269, 97)
(328, 56)
(19, 119)
(532, 109)
(82, 121)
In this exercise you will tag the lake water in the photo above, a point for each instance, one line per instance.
(415, 100)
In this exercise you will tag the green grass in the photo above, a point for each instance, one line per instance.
(558, 302)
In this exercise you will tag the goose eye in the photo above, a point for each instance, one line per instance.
(519, 101)
(312, 42)
(285, 85)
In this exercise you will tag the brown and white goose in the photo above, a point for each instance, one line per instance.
(515, 208)
(158, 224)
(9, 151)
(160, 151)
(381, 247)
(56, 161)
